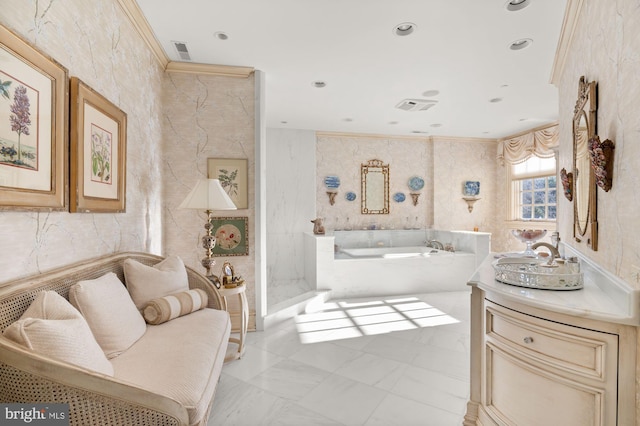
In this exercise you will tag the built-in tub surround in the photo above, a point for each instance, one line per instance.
(393, 262)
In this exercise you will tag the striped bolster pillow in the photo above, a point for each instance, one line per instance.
(173, 306)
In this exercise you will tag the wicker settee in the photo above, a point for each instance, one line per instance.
(98, 399)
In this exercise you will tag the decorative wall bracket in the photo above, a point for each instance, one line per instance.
(414, 197)
(332, 197)
(470, 202)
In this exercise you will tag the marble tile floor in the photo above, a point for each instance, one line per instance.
(399, 360)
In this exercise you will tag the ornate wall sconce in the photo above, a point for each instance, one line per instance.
(567, 183)
(601, 154)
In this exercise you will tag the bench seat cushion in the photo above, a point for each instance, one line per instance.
(180, 359)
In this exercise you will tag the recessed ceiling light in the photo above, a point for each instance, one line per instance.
(515, 5)
(348, 120)
(393, 122)
(523, 119)
(284, 122)
(319, 84)
(495, 100)
(504, 86)
(520, 44)
(404, 29)
(419, 132)
(436, 125)
(221, 35)
(430, 93)
(485, 133)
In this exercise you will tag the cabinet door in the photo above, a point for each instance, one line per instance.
(518, 393)
(540, 372)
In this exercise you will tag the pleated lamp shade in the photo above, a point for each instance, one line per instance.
(208, 194)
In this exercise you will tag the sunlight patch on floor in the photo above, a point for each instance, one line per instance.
(336, 320)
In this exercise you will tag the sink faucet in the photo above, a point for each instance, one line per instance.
(555, 254)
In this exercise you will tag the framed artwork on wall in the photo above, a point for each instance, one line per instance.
(98, 152)
(33, 128)
(232, 234)
(232, 174)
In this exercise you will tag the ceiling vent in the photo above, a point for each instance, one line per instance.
(181, 50)
(416, 104)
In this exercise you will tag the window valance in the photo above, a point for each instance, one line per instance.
(520, 148)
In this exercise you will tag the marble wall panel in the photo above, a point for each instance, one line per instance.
(97, 43)
(291, 205)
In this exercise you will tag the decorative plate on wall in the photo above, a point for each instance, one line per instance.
(399, 197)
(416, 183)
(471, 188)
(332, 182)
(350, 196)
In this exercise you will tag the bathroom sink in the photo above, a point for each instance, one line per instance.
(536, 273)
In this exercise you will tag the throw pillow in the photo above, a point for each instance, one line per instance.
(149, 282)
(114, 320)
(51, 326)
(173, 306)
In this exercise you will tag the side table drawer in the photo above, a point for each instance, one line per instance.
(562, 346)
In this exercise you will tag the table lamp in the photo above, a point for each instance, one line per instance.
(208, 195)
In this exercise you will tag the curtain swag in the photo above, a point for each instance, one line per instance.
(540, 143)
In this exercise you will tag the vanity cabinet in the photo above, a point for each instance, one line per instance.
(532, 366)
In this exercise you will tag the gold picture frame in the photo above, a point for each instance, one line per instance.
(34, 102)
(233, 176)
(98, 139)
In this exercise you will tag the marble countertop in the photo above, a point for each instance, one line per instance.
(604, 296)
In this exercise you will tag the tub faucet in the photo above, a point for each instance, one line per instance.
(435, 244)
(555, 254)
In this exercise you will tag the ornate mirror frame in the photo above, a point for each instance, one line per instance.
(585, 212)
(375, 187)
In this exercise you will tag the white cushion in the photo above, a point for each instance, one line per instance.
(114, 320)
(166, 308)
(181, 359)
(51, 326)
(150, 282)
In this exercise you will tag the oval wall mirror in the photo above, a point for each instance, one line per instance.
(375, 187)
(584, 202)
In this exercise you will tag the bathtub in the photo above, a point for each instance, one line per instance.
(392, 262)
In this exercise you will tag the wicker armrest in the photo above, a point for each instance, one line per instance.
(93, 398)
(197, 280)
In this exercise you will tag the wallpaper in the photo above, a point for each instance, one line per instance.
(97, 43)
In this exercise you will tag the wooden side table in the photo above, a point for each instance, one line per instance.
(238, 291)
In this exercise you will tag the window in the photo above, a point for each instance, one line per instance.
(533, 190)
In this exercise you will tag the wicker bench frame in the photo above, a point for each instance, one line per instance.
(93, 398)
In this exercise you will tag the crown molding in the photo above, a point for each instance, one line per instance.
(142, 27)
(208, 69)
(569, 24)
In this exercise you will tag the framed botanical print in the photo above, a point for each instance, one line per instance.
(98, 152)
(232, 235)
(33, 128)
(232, 174)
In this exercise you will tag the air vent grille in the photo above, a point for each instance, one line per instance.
(416, 104)
(182, 51)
